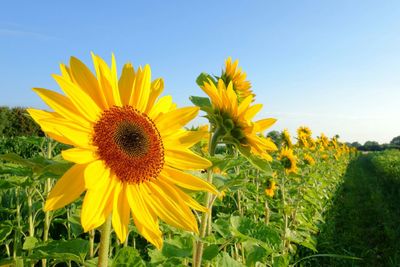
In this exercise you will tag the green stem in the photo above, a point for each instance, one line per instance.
(104, 243)
(205, 219)
(285, 216)
(91, 243)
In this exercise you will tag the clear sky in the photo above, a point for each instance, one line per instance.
(331, 65)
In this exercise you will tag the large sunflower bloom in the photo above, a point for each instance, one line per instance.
(237, 119)
(233, 74)
(129, 149)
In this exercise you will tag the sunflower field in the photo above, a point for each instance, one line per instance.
(121, 180)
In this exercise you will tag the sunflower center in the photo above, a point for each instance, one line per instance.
(286, 162)
(131, 139)
(129, 144)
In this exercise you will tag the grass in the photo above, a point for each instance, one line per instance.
(364, 221)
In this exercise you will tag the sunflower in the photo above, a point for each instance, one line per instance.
(233, 74)
(309, 160)
(286, 140)
(130, 150)
(288, 160)
(304, 130)
(270, 190)
(234, 119)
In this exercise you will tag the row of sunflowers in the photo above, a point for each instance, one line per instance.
(222, 194)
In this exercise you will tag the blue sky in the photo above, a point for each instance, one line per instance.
(331, 65)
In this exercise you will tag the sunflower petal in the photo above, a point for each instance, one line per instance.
(252, 111)
(162, 106)
(79, 155)
(187, 180)
(96, 175)
(171, 210)
(81, 100)
(70, 186)
(62, 105)
(38, 115)
(120, 214)
(145, 221)
(185, 159)
(87, 82)
(176, 119)
(125, 83)
(97, 205)
(78, 135)
(264, 124)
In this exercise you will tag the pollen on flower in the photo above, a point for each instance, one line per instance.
(129, 144)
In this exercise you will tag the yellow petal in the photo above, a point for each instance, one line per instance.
(175, 119)
(82, 101)
(78, 135)
(142, 89)
(97, 175)
(120, 214)
(210, 89)
(114, 81)
(87, 82)
(185, 160)
(145, 220)
(252, 111)
(125, 83)
(104, 78)
(157, 86)
(79, 155)
(170, 209)
(187, 180)
(264, 124)
(62, 105)
(183, 138)
(244, 105)
(162, 106)
(232, 98)
(70, 186)
(38, 115)
(97, 205)
(190, 201)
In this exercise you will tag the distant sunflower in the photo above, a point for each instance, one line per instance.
(309, 160)
(233, 74)
(129, 148)
(270, 190)
(286, 140)
(236, 119)
(288, 160)
(304, 130)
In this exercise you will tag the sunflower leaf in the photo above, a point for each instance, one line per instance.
(261, 164)
(202, 102)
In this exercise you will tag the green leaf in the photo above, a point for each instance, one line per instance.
(128, 256)
(256, 254)
(204, 77)
(30, 243)
(173, 249)
(210, 252)
(201, 102)
(261, 164)
(74, 250)
(6, 228)
(222, 227)
(226, 260)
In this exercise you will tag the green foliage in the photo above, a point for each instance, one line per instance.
(17, 122)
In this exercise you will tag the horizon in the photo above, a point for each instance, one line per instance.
(333, 67)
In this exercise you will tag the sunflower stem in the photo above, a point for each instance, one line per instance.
(104, 243)
(206, 217)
